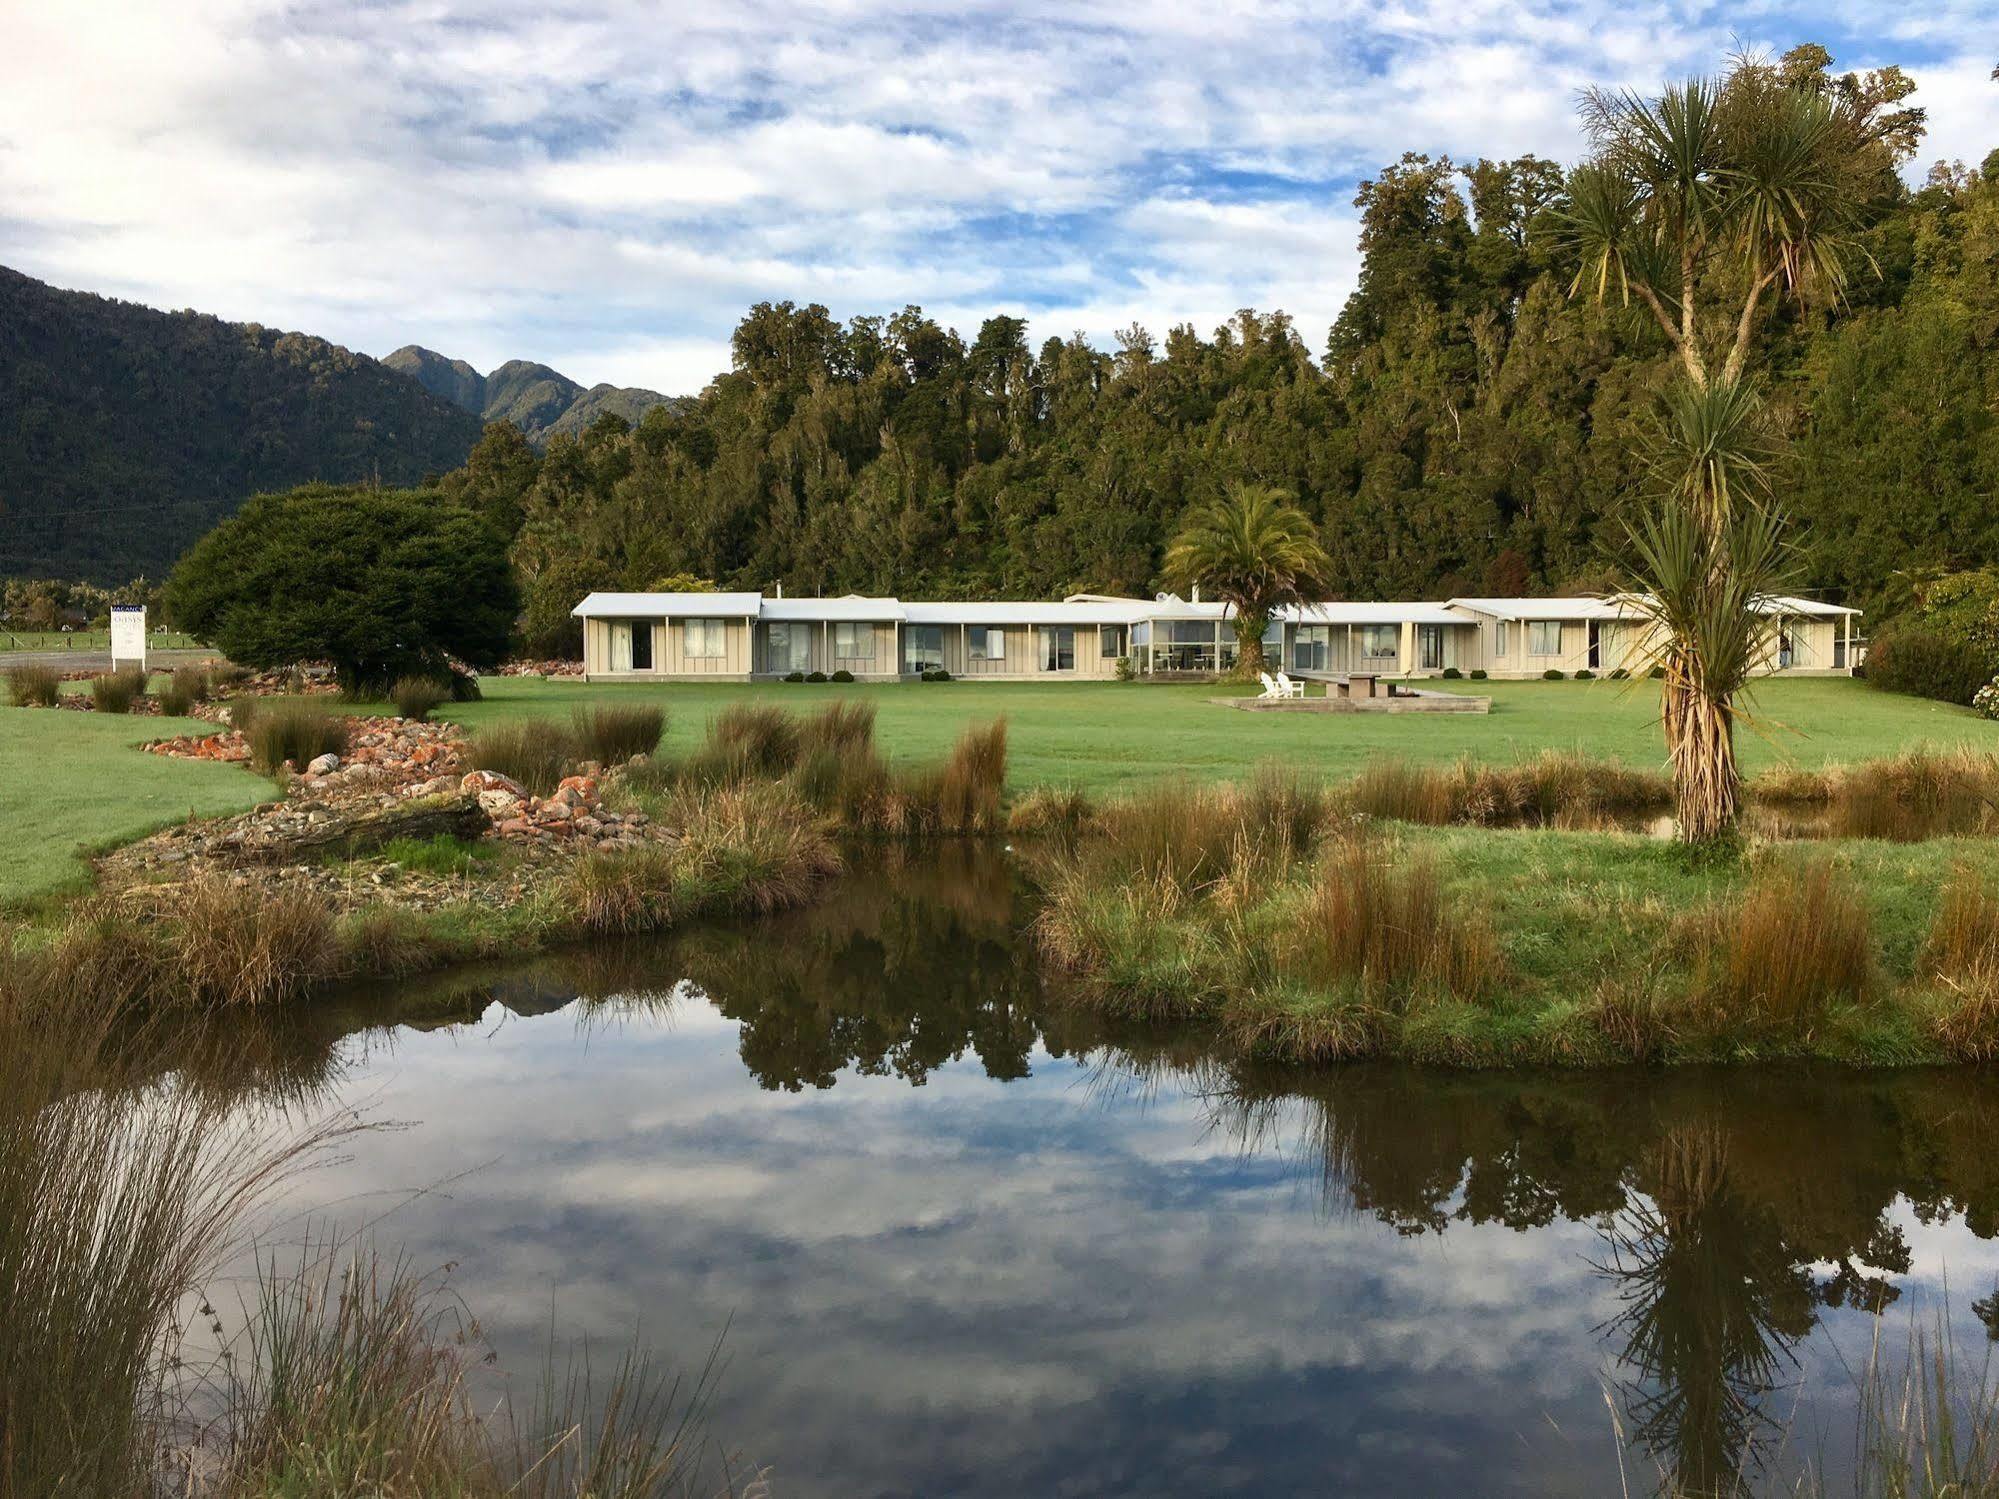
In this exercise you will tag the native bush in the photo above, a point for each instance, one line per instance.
(1376, 921)
(414, 697)
(611, 734)
(33, 686)
(117, 691)
(537, 753)
(294, 730)
(1919, 659)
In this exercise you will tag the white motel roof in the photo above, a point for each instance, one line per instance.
(849, 607)
(1559, 608)
(669, 605)
(1785, 603)
(1346, 612)
(1030, 612)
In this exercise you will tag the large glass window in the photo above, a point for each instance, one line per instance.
(704, 639)
(1311, 646)
(1110, 641)
(988, 643)
(854, 642)
(922, 648)
(1058, 648)
(787, 646)
(1544, 637)
(1380, 642)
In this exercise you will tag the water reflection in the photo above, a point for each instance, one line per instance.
(970, 1242)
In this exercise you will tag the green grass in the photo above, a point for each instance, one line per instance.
(72, 783)
(1102, 737)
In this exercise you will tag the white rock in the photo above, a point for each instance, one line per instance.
(323, 765)
(499, 805)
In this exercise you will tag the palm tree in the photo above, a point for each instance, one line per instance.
(1705, 206)
(1252, 549)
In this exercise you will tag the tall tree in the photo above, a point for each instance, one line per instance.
(1254, 550)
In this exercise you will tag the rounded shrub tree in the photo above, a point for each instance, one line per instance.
(385, 584)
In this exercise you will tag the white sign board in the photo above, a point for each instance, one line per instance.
(128, 635)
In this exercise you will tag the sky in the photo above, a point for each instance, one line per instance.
(606, 185)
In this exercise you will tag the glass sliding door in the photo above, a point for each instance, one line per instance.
(1058, 648)
(922, 649)
(1430, 647)
(787, 646)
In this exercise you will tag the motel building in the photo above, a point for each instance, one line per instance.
(694, 637)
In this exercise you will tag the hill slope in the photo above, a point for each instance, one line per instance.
(126, 432)
(540, 401)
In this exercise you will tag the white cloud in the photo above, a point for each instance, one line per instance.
(607, 184)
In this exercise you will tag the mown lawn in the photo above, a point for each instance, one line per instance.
(1103, 736)
(71, 783)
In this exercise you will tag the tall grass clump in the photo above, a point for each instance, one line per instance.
(33, 686)
(1555, 785)
(241, 945)
(297, 732)
(1050, 810)
(1376, 921)
(1179, 832)
(611, 734)
(970, 789)
(416, 697)
(1797, 942)
(1961, 956)
(1399, 791)
(534, 752)
(118, 691)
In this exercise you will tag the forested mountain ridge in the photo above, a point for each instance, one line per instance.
(540, 401)
(126, 432)
(1472, 427)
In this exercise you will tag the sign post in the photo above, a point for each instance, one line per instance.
(128, 635)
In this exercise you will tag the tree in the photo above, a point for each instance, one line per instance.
(383, 583)
(1706, 205)
(1255, 550)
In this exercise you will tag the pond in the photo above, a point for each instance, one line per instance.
(953, 1243)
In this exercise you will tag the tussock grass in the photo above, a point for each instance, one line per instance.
(612, 734)
(33, 686)
(243, 945)
(536, 753)
(117, 691)
(1961, 956)
(1797, 942)
(1376, 921)
(971, 787)
(295, 732)
(1049, 811)
(416, 697)
(1555, 786)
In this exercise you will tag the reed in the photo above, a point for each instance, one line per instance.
(1961, 956)
(612, 734)
(534, 752)
(1376, 922)
(1797, 942)
(294, 732)
(33, 686)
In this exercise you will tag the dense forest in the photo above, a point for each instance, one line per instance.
(126, 433)
(1469, 426)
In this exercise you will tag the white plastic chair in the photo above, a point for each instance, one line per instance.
(1270, 688)
(1288, 688)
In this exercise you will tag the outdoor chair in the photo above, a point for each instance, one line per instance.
(1288, 688)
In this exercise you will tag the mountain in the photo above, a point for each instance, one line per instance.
(126, 432)
(540, 401)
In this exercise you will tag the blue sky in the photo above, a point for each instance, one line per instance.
(606, 186)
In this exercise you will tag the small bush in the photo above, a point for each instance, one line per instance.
(613, 734)
(844, 725)
(465, 687)
(747, 740)
(842, 675)
(794, 676)
(1926, 662)
(936, 674)
(1585, 675)
(299, 731)
(1796, 942)
(174, 703)
(193, 681)
(815, 676)
(1452, 674)
(117, 692)
(33, 686)
(1619, 674)
(536, 752)
(1551, 675)
(414, 697)
(1478, 673)
(227, 675)
(1126, 669)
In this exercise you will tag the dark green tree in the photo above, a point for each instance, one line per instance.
(382, 583)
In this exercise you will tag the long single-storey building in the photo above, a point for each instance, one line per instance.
(671, 637)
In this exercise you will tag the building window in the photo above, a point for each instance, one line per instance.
(1380, 642)
(1500, 632)
(922, 648)
(704, 639)
(1544, 637)
(788, 647)
(1058, 648)
(988, 643)
(854, 642)
(1310, 645)
(1110, 641)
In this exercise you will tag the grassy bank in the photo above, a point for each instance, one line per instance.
(1307, 937)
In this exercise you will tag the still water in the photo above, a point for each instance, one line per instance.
(953, 1243)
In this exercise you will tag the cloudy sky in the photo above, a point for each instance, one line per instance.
(605, 185)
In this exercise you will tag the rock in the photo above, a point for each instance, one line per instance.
(581, 788)
(514, 827)
(491, 780)
(323, 765)
(554, 810)
(498, 805)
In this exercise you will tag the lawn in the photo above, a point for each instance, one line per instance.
(1101, 736)
(75, 782)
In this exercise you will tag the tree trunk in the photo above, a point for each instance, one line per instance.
(1707, 782)
(1249, 659)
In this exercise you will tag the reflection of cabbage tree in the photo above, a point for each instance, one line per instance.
(912, 961)
(1714, 1300)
